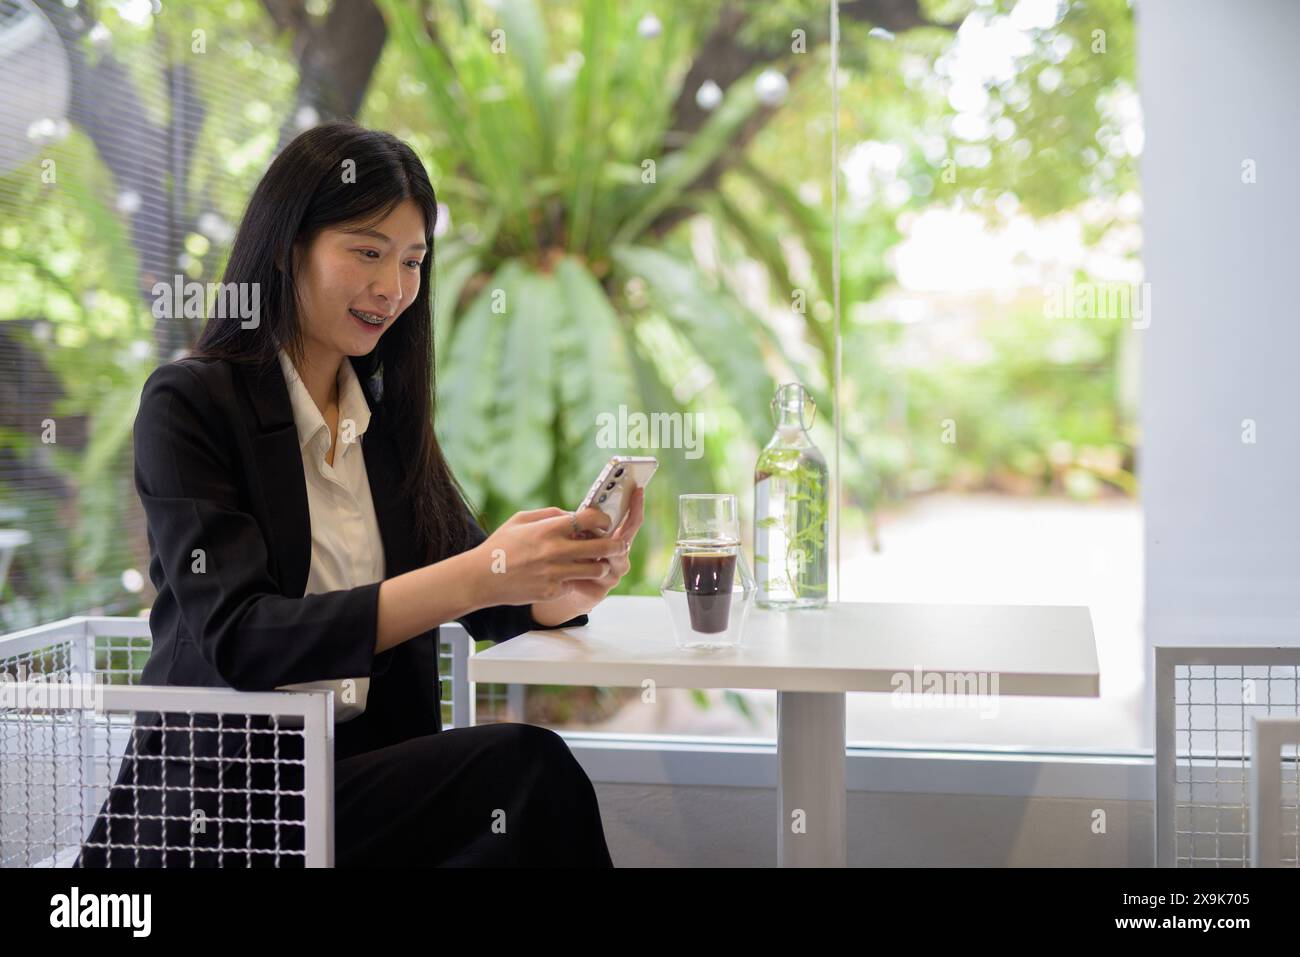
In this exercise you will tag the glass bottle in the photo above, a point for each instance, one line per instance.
(791, 508)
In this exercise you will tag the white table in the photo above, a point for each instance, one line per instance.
(811, 659)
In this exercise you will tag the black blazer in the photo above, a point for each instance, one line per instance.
(218, 468)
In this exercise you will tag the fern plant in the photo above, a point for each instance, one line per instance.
(569, 289)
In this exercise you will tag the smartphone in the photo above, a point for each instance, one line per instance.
(612, 490)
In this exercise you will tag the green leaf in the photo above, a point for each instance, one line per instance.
(713, 322)
(527, 40)
(594, 374)
(813, 229)
(450, 276)
(523, 444)
(465, 392)
(739, 703)
(591, 103)
(761, 243)
(677, 474)
(438, 75)
(464, 78)
(678, 170)
(99, 472)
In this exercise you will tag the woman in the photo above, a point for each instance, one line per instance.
(306, 532)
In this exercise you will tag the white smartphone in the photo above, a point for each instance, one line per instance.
(612, 490)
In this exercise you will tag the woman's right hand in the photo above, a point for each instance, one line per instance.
(534, 555)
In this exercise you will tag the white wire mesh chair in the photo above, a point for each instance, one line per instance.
(1275, 793)
(1206, 701)
(71, 702)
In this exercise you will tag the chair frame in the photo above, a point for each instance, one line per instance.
(1268, 737)
(75, 642)
(1167, 660)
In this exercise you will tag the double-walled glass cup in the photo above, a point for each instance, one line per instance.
(709, 588)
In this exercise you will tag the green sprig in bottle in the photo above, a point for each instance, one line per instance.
(791, 508)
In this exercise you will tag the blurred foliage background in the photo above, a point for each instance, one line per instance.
(645, 186)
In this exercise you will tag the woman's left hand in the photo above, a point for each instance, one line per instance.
(586, 593)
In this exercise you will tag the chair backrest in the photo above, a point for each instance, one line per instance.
(1206, 700)
(59, 757)
(454, 649)
(70, 700)
(1275, 793)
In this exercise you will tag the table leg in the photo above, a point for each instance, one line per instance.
(810, 792)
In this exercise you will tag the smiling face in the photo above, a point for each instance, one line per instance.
(347, 277)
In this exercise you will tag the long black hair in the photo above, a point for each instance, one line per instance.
(303, 192)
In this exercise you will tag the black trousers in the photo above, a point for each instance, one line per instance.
(497, 795)
(505, 795)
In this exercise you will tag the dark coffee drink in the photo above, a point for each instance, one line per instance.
(709, 577)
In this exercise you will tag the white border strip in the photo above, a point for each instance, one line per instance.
(627, 759)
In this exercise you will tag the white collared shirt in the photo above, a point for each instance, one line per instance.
(346, 547)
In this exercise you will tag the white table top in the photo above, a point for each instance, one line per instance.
(846, 646)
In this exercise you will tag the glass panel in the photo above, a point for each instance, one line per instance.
(992, 312)
(639, 239)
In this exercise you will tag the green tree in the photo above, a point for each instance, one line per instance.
(567, 286)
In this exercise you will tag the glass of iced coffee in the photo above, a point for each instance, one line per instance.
(709, 587)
